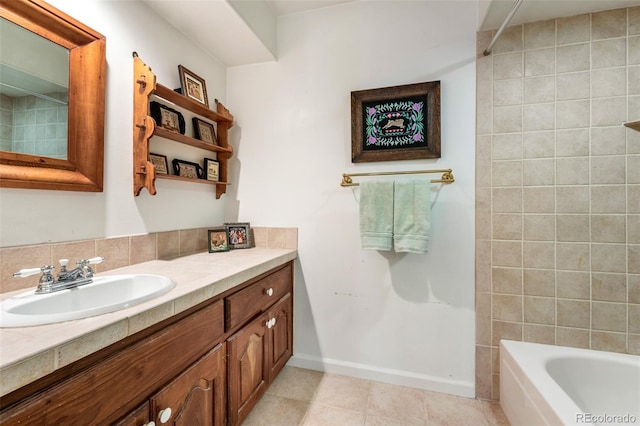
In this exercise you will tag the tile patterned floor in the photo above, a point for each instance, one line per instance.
(312, 398)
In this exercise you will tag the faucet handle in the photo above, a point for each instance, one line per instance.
(92, 261)
(32, 271)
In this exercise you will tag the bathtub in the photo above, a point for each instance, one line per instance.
(556, 385)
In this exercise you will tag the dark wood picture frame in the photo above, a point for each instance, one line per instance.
(218, 239)
(204, 131)
(239, 235)
(167, 118)
(161, 163)
(187, 169)
(211, 170)
(396, 123)
(193, 86)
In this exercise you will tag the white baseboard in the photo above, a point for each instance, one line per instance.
(394, 377)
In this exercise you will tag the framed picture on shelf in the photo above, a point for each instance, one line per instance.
(193, 86)
(396, 123)
(239, 236)
(204, 131)
(218, 239)
(211, 170)
(187, 169)
(161, 163)
(167, 118)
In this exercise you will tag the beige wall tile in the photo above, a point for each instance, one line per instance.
(506, 92)
(608, 140)
(538, 172)
(538, 144)
(574, 285)
(507, 119)
(506, 307)
(276, 237)
(572, 143)
(608, 341)
(483, 266)
(507, 280)
(539, 227)
(539, 62)
(634, 319)
(168, 244)
(539, 310)
(505, 330)
(609, 24)
(633, 80)
(507, 146)
(507, 200)
(634, 20)
(609, 53)
(539, 282)
(609, 82)
(507, 253)
(483, 319)
(507, 66)
(509, 41)
(572, 171)
(540, 34)
(633, 256)
(13, 259)
(539, 89)
(573, 228)
(483, 161)
(572, 199)
(633, 288)
(193, 240)
(292, 238)
(538, 117)
(633, 229)
(634, 50)
(115, 251)
(608, 199)
(572, 337)
(634, 344)
(573, 313)
(537, 333)
(633, 168)
(608, 228)
(74, 251)
(574, 29)
(609, 316)
(634, 198)
(574, 57)
(608, 257)
(538, 200)
(484, 377)
(507, 226)
(608, 111)
(539, 255)
(572, 114)
(573, 256)
(609, 287)
(575, 85)
(142, 248)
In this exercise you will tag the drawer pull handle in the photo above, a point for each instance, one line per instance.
(269, 291)
(165, 415)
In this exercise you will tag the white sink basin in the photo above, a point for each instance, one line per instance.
(104, 294)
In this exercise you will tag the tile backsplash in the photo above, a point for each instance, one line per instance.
(123, 251)
(558, 187)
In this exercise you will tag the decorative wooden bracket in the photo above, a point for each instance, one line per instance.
(144, 175)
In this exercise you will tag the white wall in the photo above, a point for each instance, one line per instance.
(402, 318)
(33, 216)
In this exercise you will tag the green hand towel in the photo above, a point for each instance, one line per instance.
(411, 216)
(376, 215)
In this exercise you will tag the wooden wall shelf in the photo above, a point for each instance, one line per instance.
(635, 125)
(144, 128)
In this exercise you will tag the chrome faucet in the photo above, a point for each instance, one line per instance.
(81, 275)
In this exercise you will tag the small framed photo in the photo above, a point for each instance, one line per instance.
(239, 235)
(204, 131)
(187, 169)
(193, 86)
(161, 163)
(167, 118)
(211, 170)
(218, 240)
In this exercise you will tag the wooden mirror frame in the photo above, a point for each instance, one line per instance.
(83, 168)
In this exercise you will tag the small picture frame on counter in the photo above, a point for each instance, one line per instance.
(193, 86)
(218, 239)
(212, 170)
(204, 131)
(167, 118)
(187, 169)
(239, 235)
(160, 162)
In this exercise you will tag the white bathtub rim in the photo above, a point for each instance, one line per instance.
(547, 390)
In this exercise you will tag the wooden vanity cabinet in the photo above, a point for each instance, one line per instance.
(207, 375)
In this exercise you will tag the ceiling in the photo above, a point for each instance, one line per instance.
(228, 36)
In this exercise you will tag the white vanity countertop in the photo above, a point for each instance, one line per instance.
(29, 353)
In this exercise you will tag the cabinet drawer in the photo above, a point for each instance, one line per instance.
(258, 297)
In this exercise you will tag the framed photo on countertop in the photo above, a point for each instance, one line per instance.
(239, 235)
(218, 239)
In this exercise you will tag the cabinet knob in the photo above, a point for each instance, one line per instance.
(270, 323)
(269, 291)
(151, 423)
(164, 415)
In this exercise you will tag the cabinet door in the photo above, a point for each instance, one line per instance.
(280, 335)
(196, 397)
(248, 372)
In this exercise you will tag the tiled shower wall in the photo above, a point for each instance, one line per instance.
(123, 251)
(558, 187)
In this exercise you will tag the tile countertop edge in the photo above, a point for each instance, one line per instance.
(38, 351)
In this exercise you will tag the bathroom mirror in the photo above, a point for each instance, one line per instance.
(74, 161)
